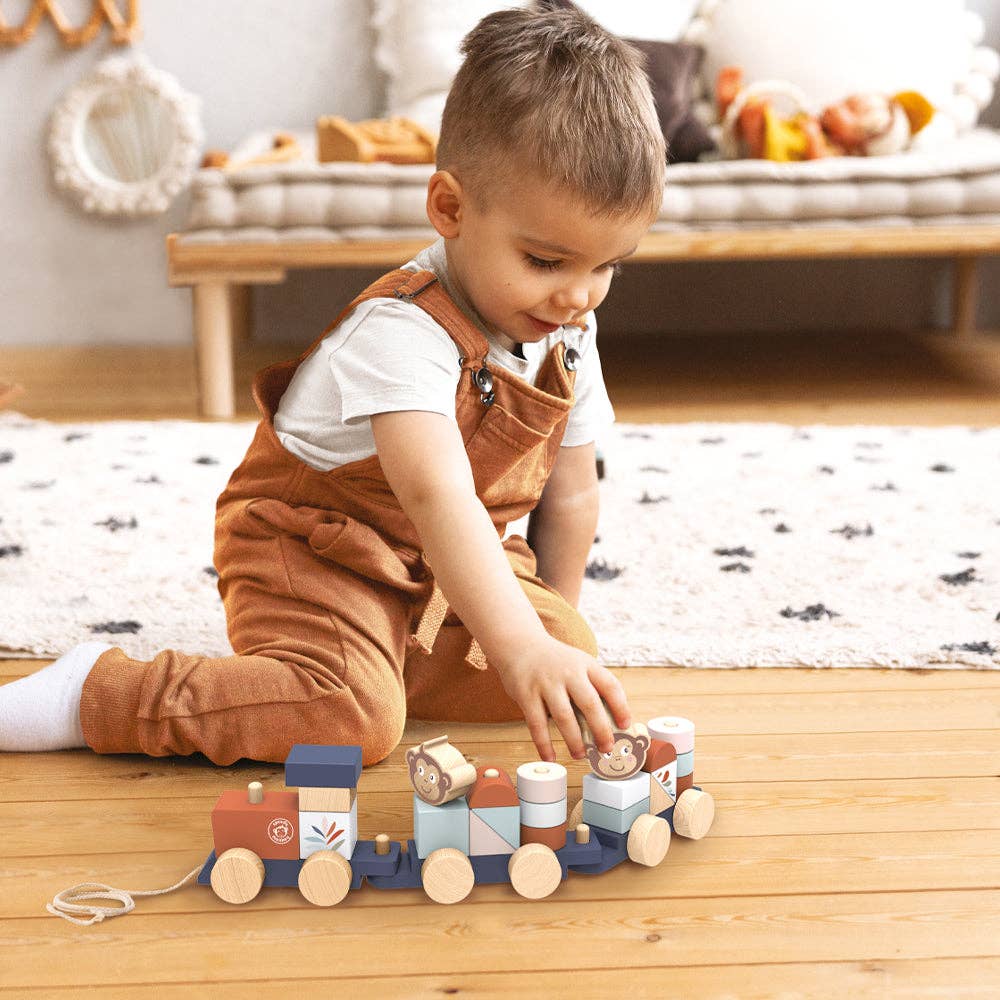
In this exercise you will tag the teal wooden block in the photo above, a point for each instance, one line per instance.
(685, 763)
(618, 820)
(440, 826)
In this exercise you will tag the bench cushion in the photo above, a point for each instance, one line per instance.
(306, 200)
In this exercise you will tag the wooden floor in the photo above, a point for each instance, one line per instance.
(855, 851)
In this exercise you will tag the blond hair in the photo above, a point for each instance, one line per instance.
(553, 93)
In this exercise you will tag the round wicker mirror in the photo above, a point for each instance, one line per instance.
(126, 139)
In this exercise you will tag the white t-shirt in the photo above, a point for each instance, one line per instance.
(387, 355)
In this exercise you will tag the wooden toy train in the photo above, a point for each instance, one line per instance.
(470, 823)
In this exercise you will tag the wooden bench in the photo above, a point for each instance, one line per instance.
(221, 273)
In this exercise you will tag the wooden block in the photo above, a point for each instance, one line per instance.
(684, 783)
(659, 798)
(627, 755)
(543, 814)
(619, 794)
(554, 837)
(447, 875)
(327, 799)
(694, 814)
(492, 789)
(269, 828)
(673, 730)
(660, 754)
(438, 771)
(440, 826)
(325, 878)
(648, 840)
(685, 763)
(388, 140)
(661, 762)
(495, 830)
(575, 816)
(541, 781)
(312, 765)
(328, 831)
(617, 820)
(237, 875)
(534, 871)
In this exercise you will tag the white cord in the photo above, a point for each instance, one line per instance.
(63, 904)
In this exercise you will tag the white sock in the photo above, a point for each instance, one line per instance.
(42, 711)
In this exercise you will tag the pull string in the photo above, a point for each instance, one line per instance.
(64, 903)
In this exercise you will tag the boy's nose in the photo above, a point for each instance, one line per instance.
(576, 298)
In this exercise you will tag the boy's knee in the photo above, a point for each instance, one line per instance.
(377, 730)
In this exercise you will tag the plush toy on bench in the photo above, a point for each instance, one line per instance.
(770, 120)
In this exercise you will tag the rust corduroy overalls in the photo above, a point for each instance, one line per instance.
(338, 625)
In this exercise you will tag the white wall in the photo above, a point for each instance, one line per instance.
(69, 277)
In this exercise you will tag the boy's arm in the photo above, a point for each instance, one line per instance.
(425, 462)
(561, 528)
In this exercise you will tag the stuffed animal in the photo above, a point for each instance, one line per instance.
(771, 120)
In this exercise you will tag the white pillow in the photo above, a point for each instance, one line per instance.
(833, 48)
(417, 44)
(417, 48)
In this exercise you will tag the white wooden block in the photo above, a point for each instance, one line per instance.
(325, 831)
(619, 795)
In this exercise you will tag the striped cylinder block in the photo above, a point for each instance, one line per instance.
(541, 791)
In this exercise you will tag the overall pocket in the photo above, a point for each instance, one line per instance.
(508, 458)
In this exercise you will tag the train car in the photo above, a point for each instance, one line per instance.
(471, 825)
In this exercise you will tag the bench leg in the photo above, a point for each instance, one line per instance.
(241, 304)
(213, 338)
(965, 297)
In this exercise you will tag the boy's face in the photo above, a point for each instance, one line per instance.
(535, 260)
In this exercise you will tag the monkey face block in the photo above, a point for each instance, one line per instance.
(438, 771)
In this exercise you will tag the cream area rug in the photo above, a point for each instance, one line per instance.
(719, 545)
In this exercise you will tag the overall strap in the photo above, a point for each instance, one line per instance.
(422, 288)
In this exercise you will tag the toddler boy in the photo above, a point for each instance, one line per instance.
(360, 544)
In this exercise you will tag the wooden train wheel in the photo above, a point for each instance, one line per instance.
(534, 871)
(325, 878)
(447, 875)
(648, 840)
(237, 875)
(575, 817)
(693, 814)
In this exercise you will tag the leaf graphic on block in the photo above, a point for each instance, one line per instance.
(334, 832)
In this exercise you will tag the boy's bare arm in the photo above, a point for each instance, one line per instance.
(561, 528)
(425, 463)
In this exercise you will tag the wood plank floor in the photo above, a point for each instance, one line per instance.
(855, 853)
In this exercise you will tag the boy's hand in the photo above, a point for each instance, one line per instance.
(547, 677)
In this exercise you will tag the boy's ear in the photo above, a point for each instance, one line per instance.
(445, 199)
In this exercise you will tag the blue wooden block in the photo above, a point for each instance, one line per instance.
(440, 826)
(365, 860)
(312, 765)
(614, 850)
(685, 763)
(619, 820)
(490, 868)
(408, 874)
(205, 875)
(573, 853)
